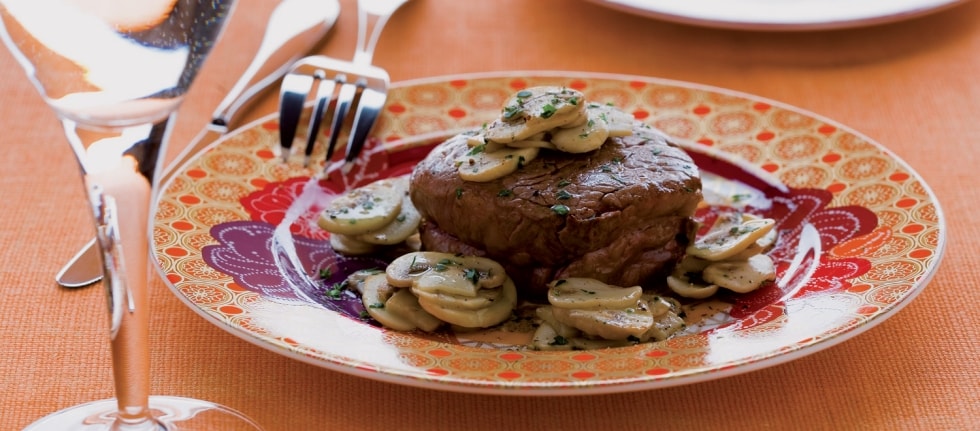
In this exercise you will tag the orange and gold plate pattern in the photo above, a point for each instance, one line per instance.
(860, 235)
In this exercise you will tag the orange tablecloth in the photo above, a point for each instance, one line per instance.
(912, 86)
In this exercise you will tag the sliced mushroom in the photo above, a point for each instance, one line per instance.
(356, 280)
(405, 224)
(535, 110)
(664, 326)
(608, 324)
(546, 315)
(402, 303)
(484, 298)
(618, 123)
(661, 305)
(547, 338)
(683, 286)
(482, 166)
(349, 245)
(364, 209)
(591, 293)
(721, 244)
(443, 272)
(376, 292)
(760, 246)
(496, 313)
(533, 143)
(690, 264)
(582, 138)
(741, 277)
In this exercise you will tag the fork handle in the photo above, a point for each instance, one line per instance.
(372, 15)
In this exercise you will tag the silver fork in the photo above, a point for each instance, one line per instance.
(357, 84)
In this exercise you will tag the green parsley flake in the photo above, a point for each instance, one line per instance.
(560, 209)
(548, 110)
(558, 341)
(477, 150)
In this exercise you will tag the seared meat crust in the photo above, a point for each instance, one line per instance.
(628, 211)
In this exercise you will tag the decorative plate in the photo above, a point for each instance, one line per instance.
(860, 235)
(793, 15)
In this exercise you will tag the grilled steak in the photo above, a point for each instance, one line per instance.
(620, 214)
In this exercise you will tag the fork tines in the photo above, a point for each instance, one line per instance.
(361, 88)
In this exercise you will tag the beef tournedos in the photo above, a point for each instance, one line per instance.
(620, 214)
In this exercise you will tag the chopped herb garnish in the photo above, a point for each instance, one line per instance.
(511, 112)
(560, 209)
(563, 183)
(563, 195)
(326, 273)
(472, 275)
(523, 94)
(741, 197)
(477, 150)
(548, 110)
(377, 305)
(459, 193)
(558, 341)
(505, 193)
(335, 290)
(401, 218)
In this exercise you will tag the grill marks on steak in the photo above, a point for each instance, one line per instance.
(629, 206)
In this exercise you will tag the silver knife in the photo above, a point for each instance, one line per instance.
(294, 27)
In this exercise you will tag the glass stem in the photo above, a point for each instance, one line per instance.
(118, 166)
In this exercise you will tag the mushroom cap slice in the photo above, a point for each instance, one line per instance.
(574, 292)
(721, 244)
(484, 298)
(533, 143)
(683, 286)
(444, 272)
(351, 246)
(483, 166)
(742, 277)
(403, 303)
(582, 138)
(546, 315)
(496, 313)
(376, 292)
(547, 338)
(364, 209)
(535, 110)
(618, 122)
(608, 324)
(405, 224)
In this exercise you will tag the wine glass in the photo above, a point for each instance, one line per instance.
(115, 71)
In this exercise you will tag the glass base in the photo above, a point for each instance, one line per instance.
(169, 413)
